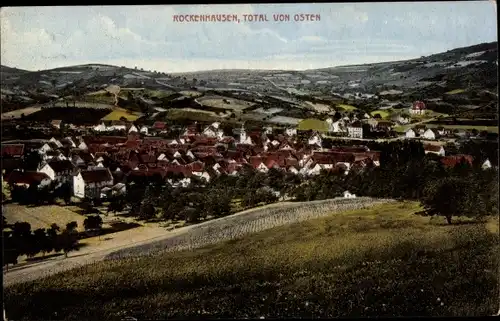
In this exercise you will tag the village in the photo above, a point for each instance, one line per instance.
(97, 165)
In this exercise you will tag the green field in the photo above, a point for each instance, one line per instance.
(383, 113)
(346, 107)
(455, 91)
(119, 113)
(380, 261)
(192, 114)
(313, 124)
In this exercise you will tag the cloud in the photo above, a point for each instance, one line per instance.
(43, 37)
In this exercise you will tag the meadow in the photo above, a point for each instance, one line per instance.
(41, 216)
(383, 113)
(346, 107)
(118, 113)
(379, 261)
(313, 124)
(192, 114)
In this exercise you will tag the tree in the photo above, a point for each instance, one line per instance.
(21, 233)
(68, 241)
(71, 226)
(53, 238)
(449, 197)
(64, 192)
(10, 250)
(116, 205)
(92, 222)
(147, 208)
(41, 241)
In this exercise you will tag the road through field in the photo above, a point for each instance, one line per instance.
(133, 242)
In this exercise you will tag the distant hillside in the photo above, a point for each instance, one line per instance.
(468, 71)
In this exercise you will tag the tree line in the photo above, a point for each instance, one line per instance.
(22, 240)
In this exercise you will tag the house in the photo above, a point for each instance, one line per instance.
(431, 133)
(410, 133)
(28, 178)
(349, 195)
(420, 129)
(56, 123)
(119, 189)
(133, 129)
(268, 130)
(100, 128)
(160, 126)
(400, 119)
(486, 164)
(418, 108)
(68, 141)
(88, 183)
(82, 146)
(442, 131)
(144, 130)
(372, 122)
(291, 131)
(315, 140)
(434, 149)
(336, 126)
(355, 129)
(63, 170)
(56, 141)
(214, 130)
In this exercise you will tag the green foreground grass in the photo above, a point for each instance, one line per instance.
(381, 261)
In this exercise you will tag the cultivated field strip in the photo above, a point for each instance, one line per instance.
(236, 226)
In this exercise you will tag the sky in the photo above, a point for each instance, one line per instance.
(37, 38)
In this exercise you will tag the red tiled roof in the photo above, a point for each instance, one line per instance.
(452, 161)
(13, 150)
(255, 161)
(418, 105)
(206, 141)
(197, 166)
(159, 125)
(18, 177)
(227, 139)
(179, 169)
(432, 148)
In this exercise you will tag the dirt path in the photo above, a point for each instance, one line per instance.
(99, 248)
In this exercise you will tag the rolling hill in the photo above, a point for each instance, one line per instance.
(466, 72)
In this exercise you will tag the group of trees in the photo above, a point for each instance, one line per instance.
(200, 200)
(23, 241)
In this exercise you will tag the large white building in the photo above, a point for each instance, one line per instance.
(355, 130)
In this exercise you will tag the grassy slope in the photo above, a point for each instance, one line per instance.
(347, 107)
(378, 261)
(117, 113)
(313, 124)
